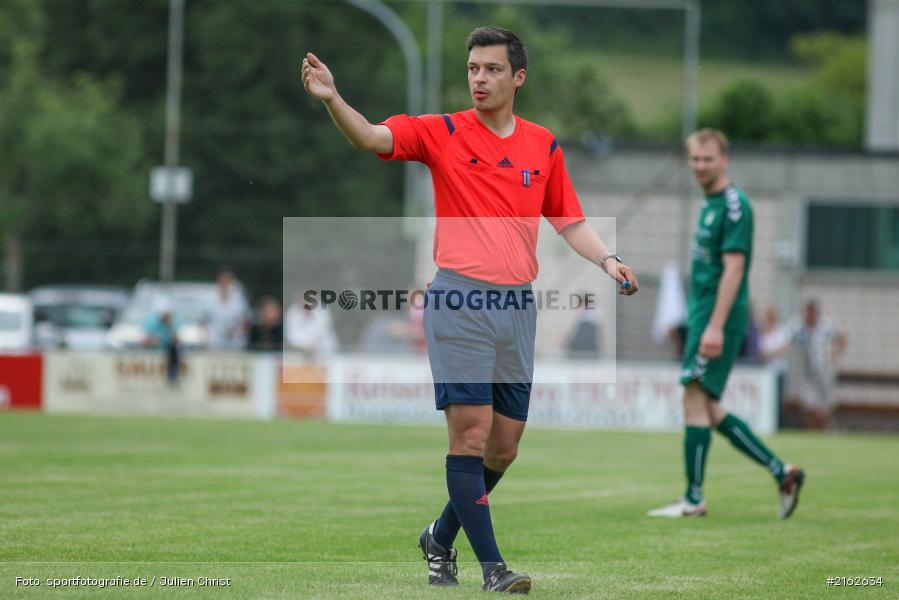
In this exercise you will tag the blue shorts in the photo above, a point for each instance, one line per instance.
(481, 342)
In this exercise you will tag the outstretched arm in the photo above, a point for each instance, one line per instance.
(583, 240)
(319, 83)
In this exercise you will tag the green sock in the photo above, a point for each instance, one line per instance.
(696, 447)
(742, 438)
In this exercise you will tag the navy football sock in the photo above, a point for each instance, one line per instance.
(448, 525)
(468, 495)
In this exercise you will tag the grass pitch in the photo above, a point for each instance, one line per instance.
(313, 510)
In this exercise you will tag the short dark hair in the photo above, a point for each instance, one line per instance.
(496, 36)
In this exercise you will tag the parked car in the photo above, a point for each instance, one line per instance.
(191, 305)
(15, 322)
(75, 316)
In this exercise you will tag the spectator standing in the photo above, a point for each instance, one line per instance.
(751, 350)
(819, 342)
(773, 344)
(267, 333)
(583, 342)
(161, 331)
(228, 321)
(310, 331)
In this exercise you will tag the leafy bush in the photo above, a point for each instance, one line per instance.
(829, 111)
(745, 110)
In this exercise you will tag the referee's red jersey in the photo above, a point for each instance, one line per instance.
(489, 192)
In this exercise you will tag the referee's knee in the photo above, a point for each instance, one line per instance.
(499, 459)
(470, 442)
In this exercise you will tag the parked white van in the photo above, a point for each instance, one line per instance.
(15, 322)
(75, 316)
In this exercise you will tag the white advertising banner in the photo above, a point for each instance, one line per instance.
(209, 384)
(369, 388)
(565, 394)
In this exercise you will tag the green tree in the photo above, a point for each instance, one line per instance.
(828, 111)
(840, 62)
(69, 157)
(762, 29)
(259, 148)
(810, 116)
(744, 110)
(758, 30)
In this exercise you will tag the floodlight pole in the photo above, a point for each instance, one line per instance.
(691, 100)
(692, 13)
(169, 227)
(435, 56)
(414, 74)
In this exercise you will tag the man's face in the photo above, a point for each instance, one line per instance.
(707, 162)
(224, 283)
(271, 312)
(811, 315)
(490, 79)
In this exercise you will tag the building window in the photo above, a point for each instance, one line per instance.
(853, 236)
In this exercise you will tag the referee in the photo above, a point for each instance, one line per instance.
(494, 176)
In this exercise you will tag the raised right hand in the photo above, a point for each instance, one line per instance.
(317, 79)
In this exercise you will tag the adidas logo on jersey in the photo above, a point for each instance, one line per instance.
(505, 163)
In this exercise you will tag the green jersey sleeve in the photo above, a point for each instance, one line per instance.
(738, 224)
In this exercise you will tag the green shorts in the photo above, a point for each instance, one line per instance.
(710, 374)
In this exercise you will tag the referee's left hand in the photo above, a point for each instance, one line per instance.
(621, 272)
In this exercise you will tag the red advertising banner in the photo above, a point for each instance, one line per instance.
(20, 381)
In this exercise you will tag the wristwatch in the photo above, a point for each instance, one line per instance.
(602, 263)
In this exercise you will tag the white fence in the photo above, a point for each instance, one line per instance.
(364, 388)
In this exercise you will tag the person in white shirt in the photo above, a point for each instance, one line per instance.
(229, 319)
(773, 344)
(819, 343)
(310, 331)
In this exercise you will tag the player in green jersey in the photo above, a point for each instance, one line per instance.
(718, 317)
